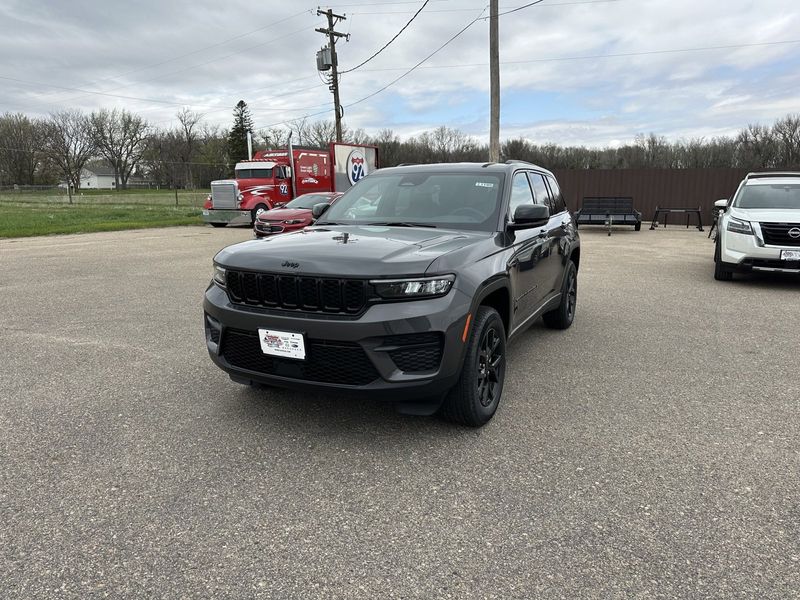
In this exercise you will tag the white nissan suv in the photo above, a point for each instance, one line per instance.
(759, 228)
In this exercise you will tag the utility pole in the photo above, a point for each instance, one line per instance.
(333, 19)
(494, 83)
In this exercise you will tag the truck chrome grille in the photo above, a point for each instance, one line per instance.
(224, 195)
(294, 292)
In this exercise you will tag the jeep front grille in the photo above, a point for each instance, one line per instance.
(295, 292)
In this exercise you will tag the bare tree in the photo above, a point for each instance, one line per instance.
(69, 144)
(274, 137)
(20, 146)
(120, 137)
(786, 131)
(187, 133)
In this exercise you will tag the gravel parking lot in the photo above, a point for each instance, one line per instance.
(652, 450)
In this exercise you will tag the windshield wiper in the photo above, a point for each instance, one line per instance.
(399, 224)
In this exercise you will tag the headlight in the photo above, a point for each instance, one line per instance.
(240, 197)
(293, 221)
(428, 287)
(219, 275)
(738, 226)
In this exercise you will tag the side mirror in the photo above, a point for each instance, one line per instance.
(530, 215)
(288, 171)
(721, 204)
(319, 209)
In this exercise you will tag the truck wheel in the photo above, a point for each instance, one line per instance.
(562, 317)
(218, 224)
(721, 272)
(475, 398)
(638, 226)
(257, 211)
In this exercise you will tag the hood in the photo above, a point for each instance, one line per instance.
(348, 251)
(767, 215)
(283, 214)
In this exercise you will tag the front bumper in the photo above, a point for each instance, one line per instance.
(227, 215)
(746, 253)
(265, 228)
(364, 354)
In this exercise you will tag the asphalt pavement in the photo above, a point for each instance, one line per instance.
(650, 451)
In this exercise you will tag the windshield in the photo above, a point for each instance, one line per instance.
(253, 173)
(774, 195)
(466, 200)
(308, 201)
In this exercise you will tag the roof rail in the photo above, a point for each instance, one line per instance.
(484, 165)
(511, 161)
(772, 174)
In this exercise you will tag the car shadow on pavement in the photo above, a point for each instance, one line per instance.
(775, 281)
(297, 412)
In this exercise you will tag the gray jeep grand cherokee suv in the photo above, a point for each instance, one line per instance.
(406, 289)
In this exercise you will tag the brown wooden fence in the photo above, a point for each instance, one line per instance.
(675, 188)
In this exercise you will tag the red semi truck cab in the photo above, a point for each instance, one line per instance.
(274, 177)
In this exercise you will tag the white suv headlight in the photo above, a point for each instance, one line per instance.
(739, 226)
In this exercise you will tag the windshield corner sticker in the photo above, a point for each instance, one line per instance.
(484, 184)
(356, 166)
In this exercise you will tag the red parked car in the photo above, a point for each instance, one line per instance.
(291, 216)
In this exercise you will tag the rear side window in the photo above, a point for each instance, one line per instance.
(540, 191)
(559, 204)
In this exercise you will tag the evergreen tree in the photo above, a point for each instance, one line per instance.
(237, 138)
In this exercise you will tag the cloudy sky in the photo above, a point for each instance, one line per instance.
(594, 72)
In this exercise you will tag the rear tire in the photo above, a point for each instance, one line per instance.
(475, 398)
(563, 316)
(721, 272)
(638, 226)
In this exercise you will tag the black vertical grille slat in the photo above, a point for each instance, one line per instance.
(250, 288)
(294, 292)
(354, 295)
(233, 280)
(332, 295)
(269, 290)
(287, 288)
(309, 298)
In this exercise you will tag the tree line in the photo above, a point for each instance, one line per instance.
(57, 148)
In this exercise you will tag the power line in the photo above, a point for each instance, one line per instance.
(431, 55)
(386, 45)
(594, 56)
(513, 10)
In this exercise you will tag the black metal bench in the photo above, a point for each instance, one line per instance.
(608, 211)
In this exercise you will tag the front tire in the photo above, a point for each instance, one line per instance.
(563, 316)
(475, 398)
(721, 272)
(218, 224)
(257, 211)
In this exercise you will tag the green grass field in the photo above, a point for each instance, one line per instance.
(45, 213)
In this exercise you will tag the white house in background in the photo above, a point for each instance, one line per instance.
(98, 177)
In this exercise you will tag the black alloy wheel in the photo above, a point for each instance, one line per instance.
(475, 397)
(562, 316)
(491, 363)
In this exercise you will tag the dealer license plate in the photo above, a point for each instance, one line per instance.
(282, 343)
(790, 254)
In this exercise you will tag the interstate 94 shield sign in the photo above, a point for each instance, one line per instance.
(352, 163)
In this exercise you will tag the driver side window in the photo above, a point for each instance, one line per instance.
(520, 193)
